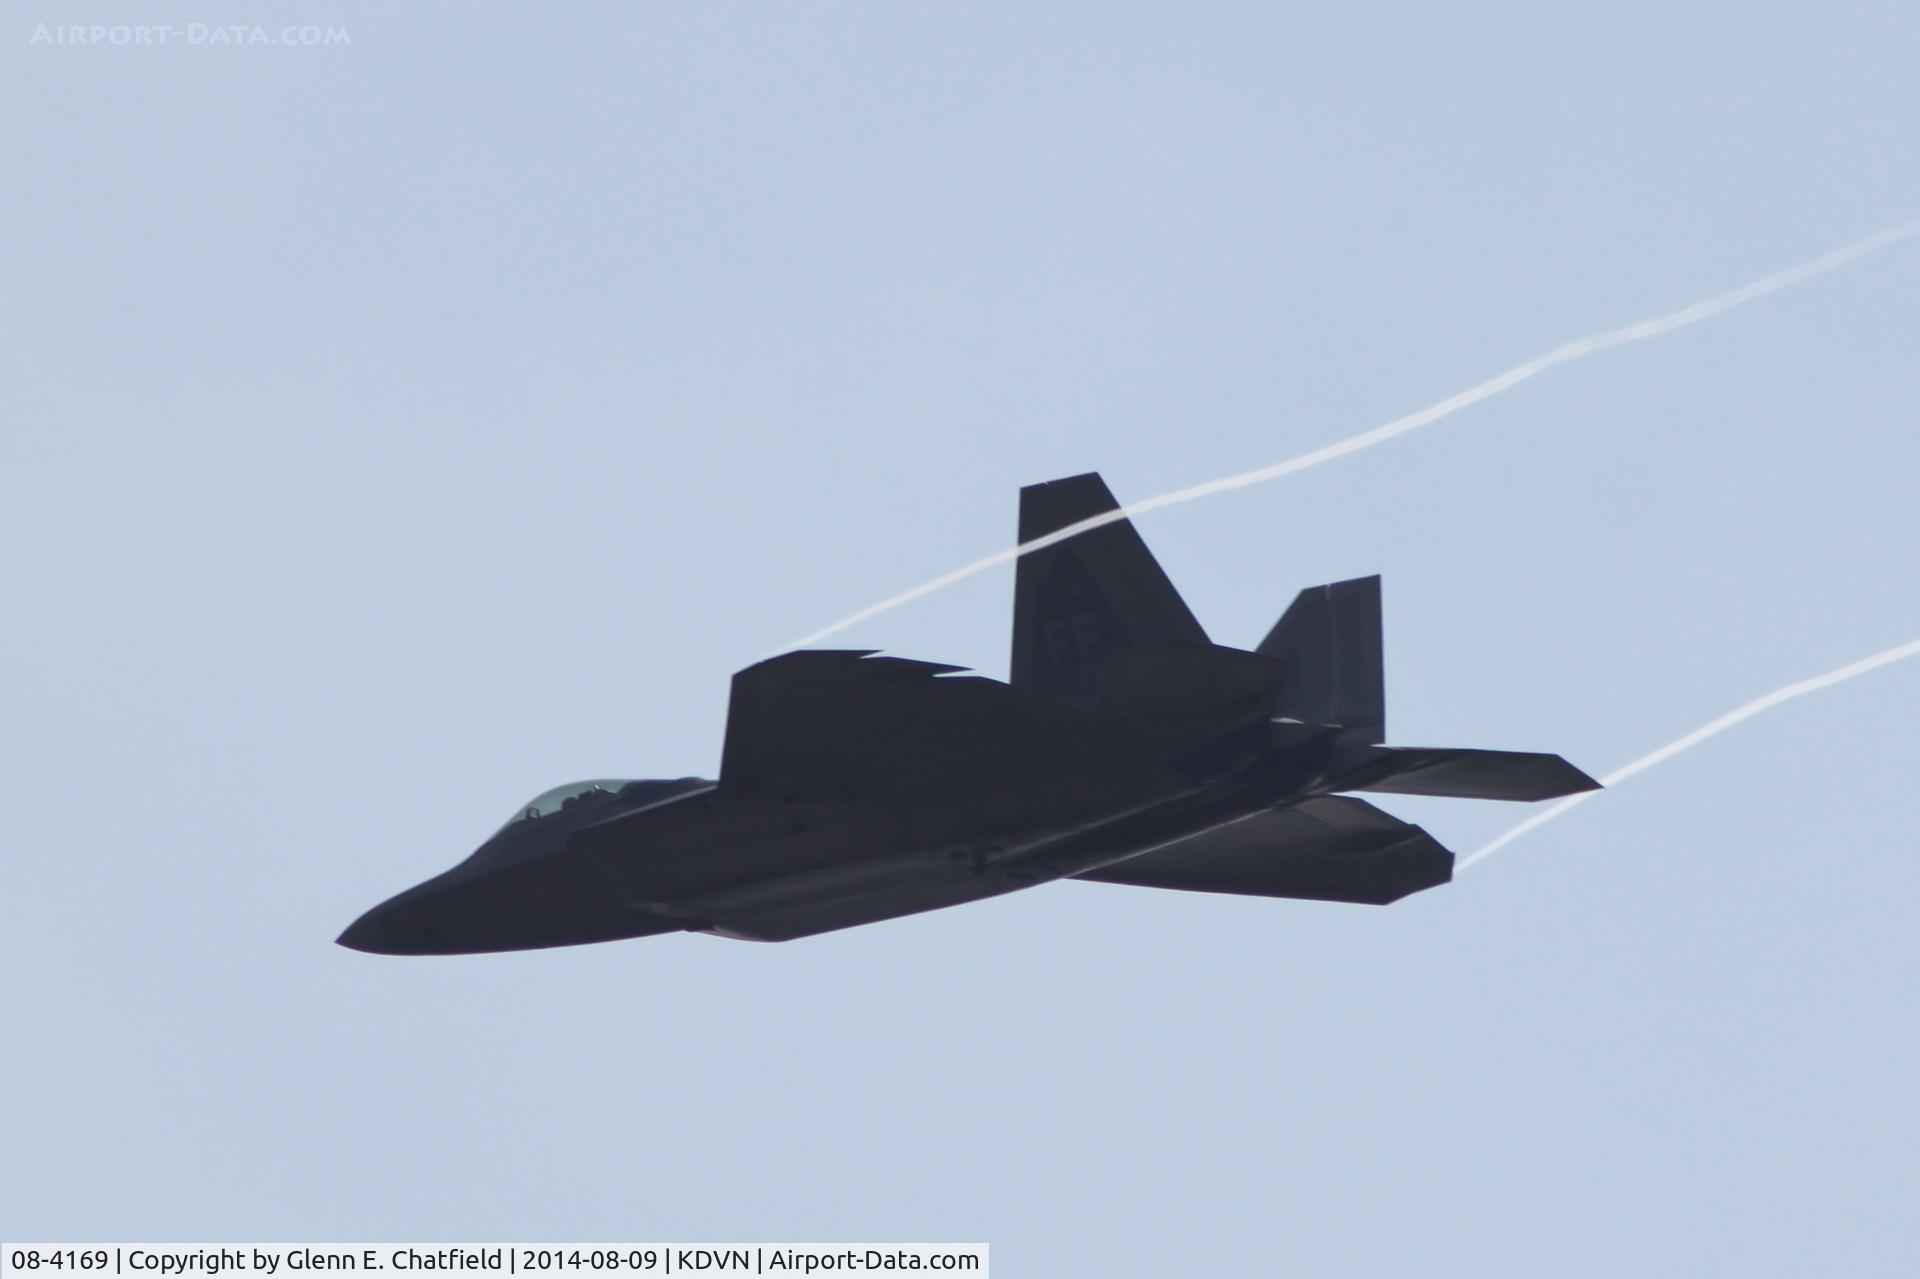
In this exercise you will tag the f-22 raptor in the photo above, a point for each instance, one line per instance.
(1125, 748)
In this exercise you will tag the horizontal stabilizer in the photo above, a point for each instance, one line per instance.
(1326, 849)
(1470, 774)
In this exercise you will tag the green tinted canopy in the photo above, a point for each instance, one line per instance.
(552, 801)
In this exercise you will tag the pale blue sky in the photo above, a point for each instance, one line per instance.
(393, 431)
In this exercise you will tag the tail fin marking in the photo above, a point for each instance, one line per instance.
(1080, 600)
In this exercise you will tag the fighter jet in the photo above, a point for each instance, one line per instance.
(1125, 748)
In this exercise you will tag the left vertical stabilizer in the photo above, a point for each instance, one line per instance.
(1077, 603)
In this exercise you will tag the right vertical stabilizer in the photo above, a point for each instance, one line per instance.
(1329, 640)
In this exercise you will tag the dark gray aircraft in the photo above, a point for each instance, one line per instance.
(1125, 748)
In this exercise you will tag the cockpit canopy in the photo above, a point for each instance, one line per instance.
(573, 793)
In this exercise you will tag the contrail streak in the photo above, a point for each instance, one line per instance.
(1399, 426)
(1698, 735)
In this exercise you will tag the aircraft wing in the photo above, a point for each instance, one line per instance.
(1330, 848)
(827, 723)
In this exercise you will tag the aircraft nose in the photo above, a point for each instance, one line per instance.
(389, 929)
(467, 912)
(373, 932)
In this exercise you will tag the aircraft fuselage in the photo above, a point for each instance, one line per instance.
(700, 856)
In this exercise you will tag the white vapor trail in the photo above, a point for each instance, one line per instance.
(1698, 735)
(1399, 426)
